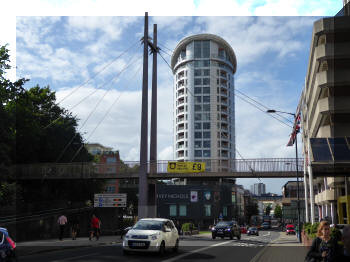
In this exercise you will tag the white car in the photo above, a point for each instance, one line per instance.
(151, 234)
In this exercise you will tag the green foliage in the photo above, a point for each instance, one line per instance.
(7, 193)
(268, 210)
(186, 227)
(278, 211)
(311, 229)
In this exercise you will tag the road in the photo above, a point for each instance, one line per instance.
(192, 248)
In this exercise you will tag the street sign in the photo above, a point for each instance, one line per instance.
(110, 200)
(186, 167)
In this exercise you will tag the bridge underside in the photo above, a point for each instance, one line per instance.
(164, 176)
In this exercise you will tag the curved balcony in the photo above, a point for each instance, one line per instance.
(222, 59)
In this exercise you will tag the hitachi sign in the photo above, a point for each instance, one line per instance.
(172, 196)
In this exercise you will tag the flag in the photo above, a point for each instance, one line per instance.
(194, 196)
(295, 131)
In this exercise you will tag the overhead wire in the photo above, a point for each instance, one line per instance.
(94, 109)
(105, 115)
(100, 71)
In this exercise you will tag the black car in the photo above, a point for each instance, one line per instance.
(226, 229)
(7, 246)
(253, 231)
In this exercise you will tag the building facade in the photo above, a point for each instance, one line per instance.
(258, 189)
(325, 108)
(204, 108)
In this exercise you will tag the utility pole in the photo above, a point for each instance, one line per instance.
(143, 183)
(152, 187)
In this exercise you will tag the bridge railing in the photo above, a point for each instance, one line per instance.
(212, 165)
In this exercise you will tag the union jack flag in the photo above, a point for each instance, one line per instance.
(296, 130)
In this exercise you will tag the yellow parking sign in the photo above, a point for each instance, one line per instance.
(186, 167)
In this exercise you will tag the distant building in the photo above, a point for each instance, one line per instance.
(258, 189)
(97, 149)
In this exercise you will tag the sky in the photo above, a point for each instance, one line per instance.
(89, 53)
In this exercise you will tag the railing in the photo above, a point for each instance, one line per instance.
(88, 170)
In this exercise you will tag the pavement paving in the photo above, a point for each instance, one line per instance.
(285, 248)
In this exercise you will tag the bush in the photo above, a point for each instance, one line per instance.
(311, 230)
(186, 227)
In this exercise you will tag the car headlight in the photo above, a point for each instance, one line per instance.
(154, 236)
(228, 229)
(127, 236)
(213, 228)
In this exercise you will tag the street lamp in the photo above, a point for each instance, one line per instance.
(297, 166)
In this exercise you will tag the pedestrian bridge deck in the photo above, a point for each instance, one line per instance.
(230, 168)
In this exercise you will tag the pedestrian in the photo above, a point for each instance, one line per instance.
(178, 227)
(323, 248)
(344, 254)
(191, 228)
(62, 221)
(95, 227)
(74, 227)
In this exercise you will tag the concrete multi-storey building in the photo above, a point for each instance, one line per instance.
(204, 108)
(325, 112)
(258, 189)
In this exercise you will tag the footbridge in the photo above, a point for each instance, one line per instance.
(231, 168)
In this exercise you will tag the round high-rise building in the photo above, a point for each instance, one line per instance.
(204, 115)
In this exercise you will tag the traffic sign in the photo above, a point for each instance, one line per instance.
(110, 200)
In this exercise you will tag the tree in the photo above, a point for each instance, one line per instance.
(268, 210)
(278, 211)
(251, 209)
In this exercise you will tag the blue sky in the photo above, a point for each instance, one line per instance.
(65, 49)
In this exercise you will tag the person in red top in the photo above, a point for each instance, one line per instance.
(95, 227)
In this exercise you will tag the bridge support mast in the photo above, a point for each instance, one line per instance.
(143, 183)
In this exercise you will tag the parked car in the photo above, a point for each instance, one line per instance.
(253, 231)
(290, 229)
(265, 225)
(7, 246)
(226, 229)
(151, 234)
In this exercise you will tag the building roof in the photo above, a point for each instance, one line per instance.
(184, 42)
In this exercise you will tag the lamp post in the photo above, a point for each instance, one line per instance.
(297, 167)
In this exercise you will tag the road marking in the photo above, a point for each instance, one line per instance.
(266, 234)
(71, 258)
(195, 251)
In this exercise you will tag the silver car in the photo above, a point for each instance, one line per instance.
(151, 235)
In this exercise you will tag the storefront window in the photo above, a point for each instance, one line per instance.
(183, 210)
(172, 209)
(207, 210)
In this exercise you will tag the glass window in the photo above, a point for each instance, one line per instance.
(206, 116)
(197, 144)
(207, 210)
(206, 99)
(197, 90)
(197, 81)
(206, 134)
(198, 153)
(206, 81)
(206, 63)
(206, 90)
(197, 63)
(206, 153)
(206, 125)
(198, 99)
(197, 134)
(182, 210)
(224, 211)
(206, 48)
(111, 160)
(172, 209)
(197, 72)
(197, 108)
(206, 107)
(197, 125)
(206, 72)
(197, 49)
(197, 116)
(206, 144)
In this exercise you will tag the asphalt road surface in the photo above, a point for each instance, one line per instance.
(192, 248)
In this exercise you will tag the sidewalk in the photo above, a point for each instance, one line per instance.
(48, 245)
(285, 248)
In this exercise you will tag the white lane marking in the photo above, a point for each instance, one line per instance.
(266, 234)
(71, 258)
(195, 251)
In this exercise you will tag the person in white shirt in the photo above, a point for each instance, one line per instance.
(62, 221)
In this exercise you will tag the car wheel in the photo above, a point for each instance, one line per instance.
(162, 248)
(213, 237)
(126, 252)
(222, 237)
(231, 236)
(176, 247)
(239, 237)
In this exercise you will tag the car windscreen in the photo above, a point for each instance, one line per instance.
(149, 225)
(252, 228)
(290, 227)
(2, 236)
(224, 224)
